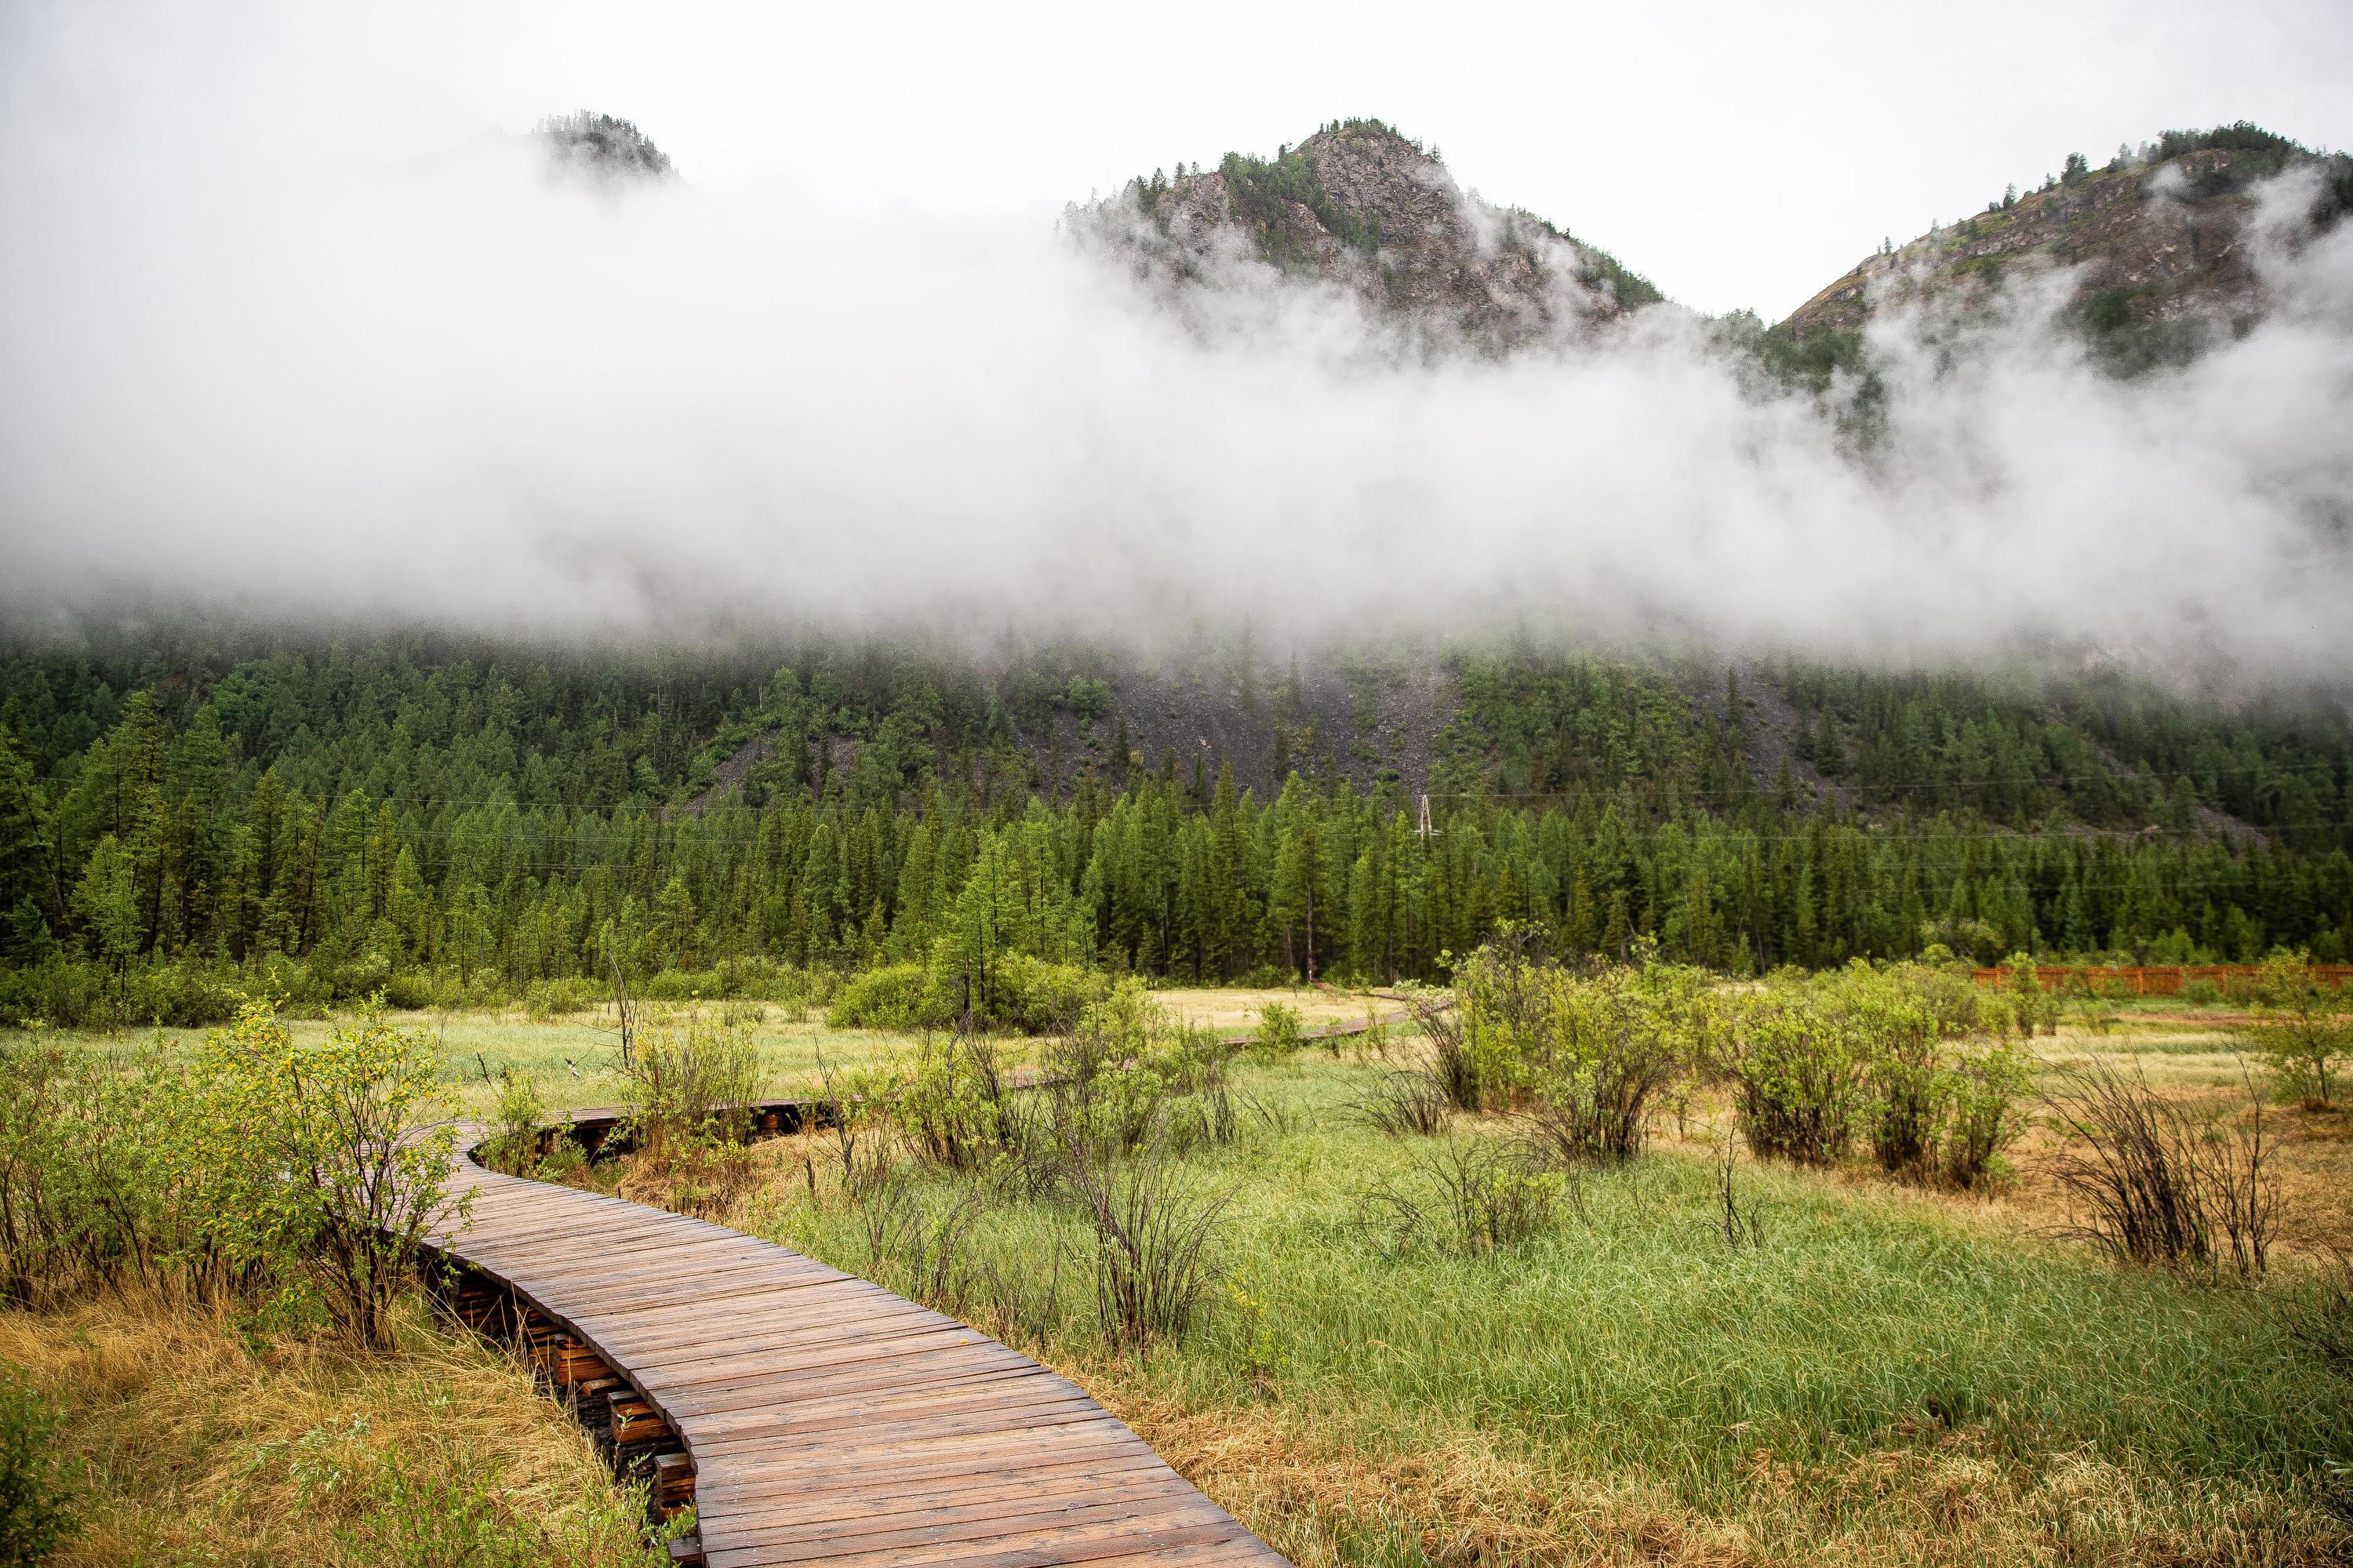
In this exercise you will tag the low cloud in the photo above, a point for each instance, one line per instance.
(450, 389)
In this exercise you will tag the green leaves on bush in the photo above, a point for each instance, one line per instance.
(35, 1503)
(285, 1175)
(2299, 1030)
(1586, 1052)
(1913, 1059)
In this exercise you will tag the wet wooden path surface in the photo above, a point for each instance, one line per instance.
(821, 1418)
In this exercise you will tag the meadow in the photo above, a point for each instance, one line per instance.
(1692, 1355)
(1870, 1370)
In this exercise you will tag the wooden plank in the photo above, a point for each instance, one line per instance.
(827, 1421)
(988, 1521)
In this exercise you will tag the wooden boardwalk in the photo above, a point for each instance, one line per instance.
(807, 1414)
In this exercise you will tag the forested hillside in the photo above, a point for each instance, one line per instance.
(177, 818)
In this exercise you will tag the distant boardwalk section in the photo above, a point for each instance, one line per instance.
(808, 1415)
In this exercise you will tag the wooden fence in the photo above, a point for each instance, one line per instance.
(2157, 979)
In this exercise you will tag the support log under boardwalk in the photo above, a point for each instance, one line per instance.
(805, 1413)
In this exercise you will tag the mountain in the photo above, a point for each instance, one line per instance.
(603, 148)
(1363, 207)
(2160, 236)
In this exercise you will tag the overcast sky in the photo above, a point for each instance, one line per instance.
(1739, 155)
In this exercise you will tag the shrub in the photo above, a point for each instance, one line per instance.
(277, 1172)
(1036, 997)
(1279, 1030)
(2155, 1183)
(1590, 1052)
(1405, 1101)
(926, 1256)
(952, 1102)
(1456, 1074)
(1475, 1197)
(1618, 1040)
(689, 1082)
(897, 996)
(317, 1147)
(36, 1510)
(2296, 1029)
(77, 1173)
(1152, 1231)
(1110, 1077)
(1909, 1095)
(519, 1117)
(1899, 1054)
(2030, 1005)
(1796, 1078)
(1989, 1084)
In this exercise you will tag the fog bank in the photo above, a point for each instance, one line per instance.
(435, 383)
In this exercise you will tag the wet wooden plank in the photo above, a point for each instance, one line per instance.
(824, 1420)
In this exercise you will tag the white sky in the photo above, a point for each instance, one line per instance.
(1739, 155)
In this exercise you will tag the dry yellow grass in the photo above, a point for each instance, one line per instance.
(198, 1446)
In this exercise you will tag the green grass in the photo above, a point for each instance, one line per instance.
(1635, 1341)
(576, 1061)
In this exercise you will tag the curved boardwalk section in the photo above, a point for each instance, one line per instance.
(809, 1415)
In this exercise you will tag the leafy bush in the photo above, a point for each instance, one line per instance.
(1621, 1038)
(1026, 994)
(1796, 1075)
(2030, 1007)
(520, 1116)
(315, 1148)
(1279, 1030)
(1036, 997)
(896, 996)
(2297, 1030)
(78, 1172)
(36, 1507)
(1912, 1057)
(952, 1101)
(1587, 1054)
(1109, 1079)
(1986, 1111)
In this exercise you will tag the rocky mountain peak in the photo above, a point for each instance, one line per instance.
(1360, 206)
(2158, 235)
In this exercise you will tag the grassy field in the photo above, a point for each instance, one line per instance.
(1892, 1375)
(1885, 1375)
(195, 1439)
(574, 1059)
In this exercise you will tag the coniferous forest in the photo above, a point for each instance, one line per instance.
(185, 819)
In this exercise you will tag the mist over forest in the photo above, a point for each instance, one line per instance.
(503, 557)
(478, 388)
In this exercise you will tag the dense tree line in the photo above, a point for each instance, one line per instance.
(349, 817)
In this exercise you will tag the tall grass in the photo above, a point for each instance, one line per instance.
(1632, 1354)
(194, 1439)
